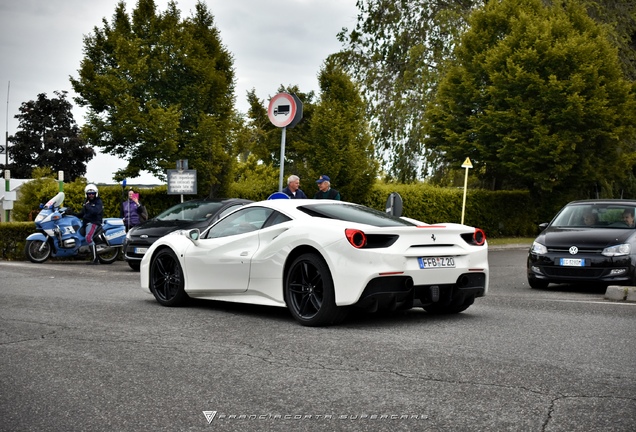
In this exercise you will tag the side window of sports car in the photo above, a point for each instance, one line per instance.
(275, 219)
(240, 222)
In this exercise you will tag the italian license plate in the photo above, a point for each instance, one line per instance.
(572, 262)
(436, 262)
(141, 251)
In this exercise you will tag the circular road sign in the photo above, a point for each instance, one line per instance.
(278, 195)
(282, 109)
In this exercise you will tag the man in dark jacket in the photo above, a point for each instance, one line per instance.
(293, 188)
(326, 192)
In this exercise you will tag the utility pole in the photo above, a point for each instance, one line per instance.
(7, 181)
(6, 133)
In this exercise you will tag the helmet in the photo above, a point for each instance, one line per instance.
(91, 188)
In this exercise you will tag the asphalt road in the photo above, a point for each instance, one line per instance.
(83, 348)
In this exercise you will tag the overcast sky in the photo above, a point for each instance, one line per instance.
(273, 42)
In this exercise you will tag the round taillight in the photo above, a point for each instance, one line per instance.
(356, 237)
(479, 237)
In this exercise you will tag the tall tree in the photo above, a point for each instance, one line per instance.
(398, 51)
(395, 52)
(48, 137)
(341, 145)
(158, 89)
(620, 18)
(536, 99)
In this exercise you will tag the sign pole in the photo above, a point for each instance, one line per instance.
(284, 110)
(7, 175)
(6, 134)
(468, 165)
(282, 160)
(180, 169)
(7, 188)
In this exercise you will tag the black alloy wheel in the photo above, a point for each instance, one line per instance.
(309, 292)
(166, 279)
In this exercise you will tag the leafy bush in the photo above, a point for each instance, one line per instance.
(13, 239)
(498, 213)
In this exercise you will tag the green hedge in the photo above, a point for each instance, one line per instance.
(498, 213)
(13, 239)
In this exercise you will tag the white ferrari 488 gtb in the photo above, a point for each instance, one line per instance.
(319, 258)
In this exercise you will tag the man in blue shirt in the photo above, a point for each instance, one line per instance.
(293, 188)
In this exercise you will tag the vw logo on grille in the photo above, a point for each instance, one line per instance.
(574, 250)
(146, 236)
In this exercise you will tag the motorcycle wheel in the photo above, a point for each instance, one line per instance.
(109, 257)
(37, 251)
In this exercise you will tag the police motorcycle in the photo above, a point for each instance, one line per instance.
(59, 234)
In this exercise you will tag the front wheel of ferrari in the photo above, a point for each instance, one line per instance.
(309, 292)
(166, 279)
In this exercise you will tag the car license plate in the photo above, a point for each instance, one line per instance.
(572, 262)
(141, 251)
(436, 262)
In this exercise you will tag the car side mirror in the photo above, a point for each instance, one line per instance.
(194, 235)
(543, 226)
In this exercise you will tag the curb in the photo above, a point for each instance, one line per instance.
(621, 293)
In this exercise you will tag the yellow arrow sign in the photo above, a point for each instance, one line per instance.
(467, 163)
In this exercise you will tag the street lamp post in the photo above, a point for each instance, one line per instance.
(7, 188)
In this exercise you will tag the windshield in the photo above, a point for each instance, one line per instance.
(191, 211)
(596, 215)
(56, 201)
(354, 213)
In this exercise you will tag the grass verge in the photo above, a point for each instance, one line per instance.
(510, 240)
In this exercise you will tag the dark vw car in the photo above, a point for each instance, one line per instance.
(190, 214)
(592, 241)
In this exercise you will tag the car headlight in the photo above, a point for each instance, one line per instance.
(618, 250)
(538, 248)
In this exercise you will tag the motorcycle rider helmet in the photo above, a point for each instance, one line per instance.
(91, 188)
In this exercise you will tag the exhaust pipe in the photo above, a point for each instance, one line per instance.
(463, 281)
(408, 283)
